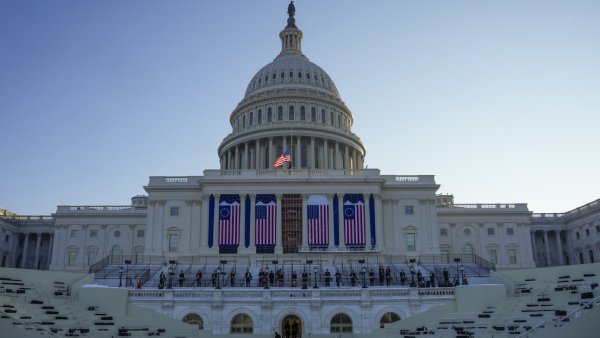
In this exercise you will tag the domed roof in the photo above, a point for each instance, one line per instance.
(291, 68)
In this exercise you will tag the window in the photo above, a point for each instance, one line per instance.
(331, 118)
(74, 233)
(409, 210)
(251, 118)
(587, 232)
(467, 253)
(141, 233)
(193, 319)
(339, 121)
(341, 323)
(244, 121)
(510, 231)
(302, 113)
(280, 113)
(299, 75)
(591, 253)
(173, 242)
(445, 253)
(576, 235)
(388, 318)
(323, 116)
(139, 255)
(597, 228)
(411, 244)
(313, 118)
(71, 257)
(308, 76)
(291, 74)
(117, 233)
(291, 113)
(491, 231)
(93, 233)
(282, 75)
(259, 116)
(444, 232)
(241, 323)
(174, 211)
(116, 255)
(91, 256)
(493, 255)
(512, 256)
(269, 114)
(274, 76)
(467, 232)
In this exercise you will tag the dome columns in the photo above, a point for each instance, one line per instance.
(307, 152)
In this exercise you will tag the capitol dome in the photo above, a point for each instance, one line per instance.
(291, 104)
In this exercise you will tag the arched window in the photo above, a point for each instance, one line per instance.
(251, 118)
(313, 114)
(241, 323)
(308, 76)
(323, 116)
(388, 318)
(266, 78)
(282, 75)
(291, 74)
(269, 114)
(341, 323)
(331, 118)
(468, 252)
(244, 121)
(339, 121)
(92, 253)
(193, 319)
(291, 115)
(302, 113)
(116, 255)
(274, 76)
(259, 116)
(299, 75)
(280, 113)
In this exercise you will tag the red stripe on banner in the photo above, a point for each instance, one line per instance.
(354, 228)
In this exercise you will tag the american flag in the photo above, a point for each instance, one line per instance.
(229, 220)
(354, 219)
(266, 212)
(318, 220)
(285, 157)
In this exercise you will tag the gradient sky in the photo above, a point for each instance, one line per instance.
(499, 100)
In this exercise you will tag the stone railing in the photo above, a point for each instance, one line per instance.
(174, 180)
(289, 173)
(488, 206)
(98, 208)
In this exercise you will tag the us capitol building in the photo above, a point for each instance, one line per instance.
(322, 210)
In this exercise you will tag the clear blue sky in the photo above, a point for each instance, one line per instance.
(499, 100)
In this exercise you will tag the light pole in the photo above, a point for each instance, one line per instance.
(223, 273)
(120, 275)
(457, 260)
(412, 273)
(266, 277)
(462, 274)
(315, 273)
(127, 262)
(364, 273)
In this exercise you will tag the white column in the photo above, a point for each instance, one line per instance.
(284, 143)
(311, 153)
(547, 247)
(271, 158)
(304, 221)
(229, 156)
(246, 161)
(378, 221)
(298, 159)
(24, 255)
(278, 236)
(325, 155)
(336, 156)
(330, 220)
(560, 249)
(50, 250)
(196, 225)
(534, 247)
(354, 166)
(346, 158)
(257, 164)
(237, 157)
(37, 251)
(203, 235)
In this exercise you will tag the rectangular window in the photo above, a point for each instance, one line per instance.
(93, 233)
(141, 233)
(445, 253)
(91, 257)
(577, 235)
(597, 228)
(491, 231)
(587, 232)
(510, 231)
(322, 115)
(71, 258)
(409, 210)
(173, 242)
(493, 255)
(444, 232)
(74, 233)
(591, 252)
(411, 244)
(512, 256)
(174, 211)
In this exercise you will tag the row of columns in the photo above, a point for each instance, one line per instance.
(321, 154)
(547, 246)
(278, 234)
(14, 252)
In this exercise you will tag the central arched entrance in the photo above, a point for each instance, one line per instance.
(291, 327)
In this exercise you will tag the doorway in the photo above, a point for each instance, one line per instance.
(291, 327)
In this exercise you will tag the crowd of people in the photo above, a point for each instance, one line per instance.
(275, 278)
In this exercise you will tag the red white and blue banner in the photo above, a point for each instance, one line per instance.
(318, 220)
(229, 220)
(266, 220)
(354, 220)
